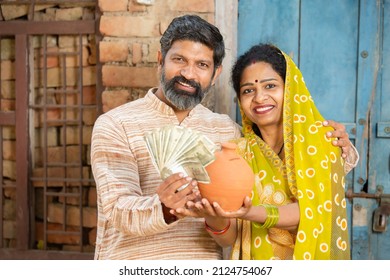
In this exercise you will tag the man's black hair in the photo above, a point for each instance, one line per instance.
(196, 29)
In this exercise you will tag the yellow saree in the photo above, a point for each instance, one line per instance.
(312, 173)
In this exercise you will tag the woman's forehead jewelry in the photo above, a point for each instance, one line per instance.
(256, 81)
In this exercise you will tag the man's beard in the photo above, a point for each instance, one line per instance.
(182, 99)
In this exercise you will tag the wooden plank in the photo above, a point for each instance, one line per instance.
(328, 61)
(271, 21)
(362, 221)
(385, 79)
(368, 67)
(383, 129)
(350, 128)
(379, 143)
(368, 70)
(21, 90)
(41, 27)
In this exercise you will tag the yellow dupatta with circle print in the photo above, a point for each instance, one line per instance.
(312, 173)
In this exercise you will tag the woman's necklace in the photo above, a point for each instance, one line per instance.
(281, 149)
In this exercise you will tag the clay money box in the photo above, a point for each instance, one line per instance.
(231, 179)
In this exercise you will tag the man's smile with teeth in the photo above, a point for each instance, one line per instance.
(185, 85)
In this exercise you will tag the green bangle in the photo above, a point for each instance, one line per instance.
(272, 216)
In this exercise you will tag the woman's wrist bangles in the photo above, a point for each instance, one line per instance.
(272, 216)
(217, 232)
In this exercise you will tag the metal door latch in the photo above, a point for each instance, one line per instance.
(381, 214)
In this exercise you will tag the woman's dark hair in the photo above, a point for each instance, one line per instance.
(259, 53)
(196, 29)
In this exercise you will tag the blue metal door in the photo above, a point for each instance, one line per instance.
(343, 51)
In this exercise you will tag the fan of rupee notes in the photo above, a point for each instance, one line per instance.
(180, 149)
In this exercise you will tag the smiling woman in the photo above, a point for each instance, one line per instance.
(262, 101)
(281, 145)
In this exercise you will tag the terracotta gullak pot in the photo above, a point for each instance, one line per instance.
(231, 179)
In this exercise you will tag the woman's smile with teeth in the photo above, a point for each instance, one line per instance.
(263, 109)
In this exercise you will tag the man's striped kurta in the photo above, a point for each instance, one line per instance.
(130, 219)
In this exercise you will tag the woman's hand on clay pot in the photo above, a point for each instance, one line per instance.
(196, 208)
(240, 213)
(204, 208)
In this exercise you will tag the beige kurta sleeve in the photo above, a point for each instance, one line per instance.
(121, 197)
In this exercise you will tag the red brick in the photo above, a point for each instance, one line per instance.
(154, 47)
(55, 77)
(7, 105)
(89, 95)
(9, 209)
(9, 169)
(54, 175)
(56, 214)
(51, 59)
(7, 89)
(122, 76)
(9, 192)
(9, 229)
(58, 238)
(203, 6)
(92, 236)
(113, 6)
(92, 197)
(7, 51)
(132, 26)
(9, 150)
(7, 70)
(75, 200)
(112, 99)
(89, 116)
(134, 7)
(72, 134)
(113, 51)
(75, 13)
(137, 53)
(14, 11)
(74, 60)
(71, 41)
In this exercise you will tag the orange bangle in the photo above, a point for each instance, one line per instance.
(217, 232)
